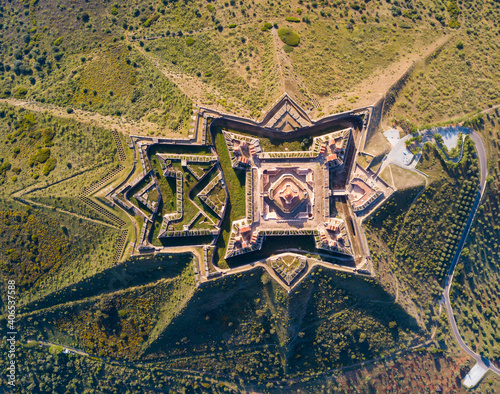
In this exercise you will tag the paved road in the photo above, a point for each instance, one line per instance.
(483, 162)
(456, 258)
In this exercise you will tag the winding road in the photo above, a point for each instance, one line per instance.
(483, 163)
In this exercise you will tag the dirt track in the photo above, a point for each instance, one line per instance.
(109, 122)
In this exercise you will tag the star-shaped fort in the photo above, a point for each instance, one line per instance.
(284, 194)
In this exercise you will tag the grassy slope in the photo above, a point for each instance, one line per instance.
(76, 147)
(68, 248)
(64, 60)
(428, 371)
(462, 78)
(346, 57)
(65, 250)
(221, 60)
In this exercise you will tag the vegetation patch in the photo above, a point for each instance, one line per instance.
(267, 26)
(49, 166)
(288, 36)
(41, 156)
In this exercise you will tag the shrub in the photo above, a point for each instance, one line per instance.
(58, 41)
(69, 110)
(266, 26)
(210, 8)
(39, 157)
(189, 41)
(48, 135)
(4, 168)
(114, 11)
(454, 24)
(20, 92)
(14, 178)
(16, 150)
(287, 48)
(292, 19)
(288, 36)
(460, 45)
(299, 11)
(232, 25)
(49, 166)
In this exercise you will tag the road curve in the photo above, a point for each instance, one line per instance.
(483, 163)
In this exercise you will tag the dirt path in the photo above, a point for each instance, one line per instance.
(278, 60)
(290, 82)
(121, 125)
(375, 86)
(485, 111)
